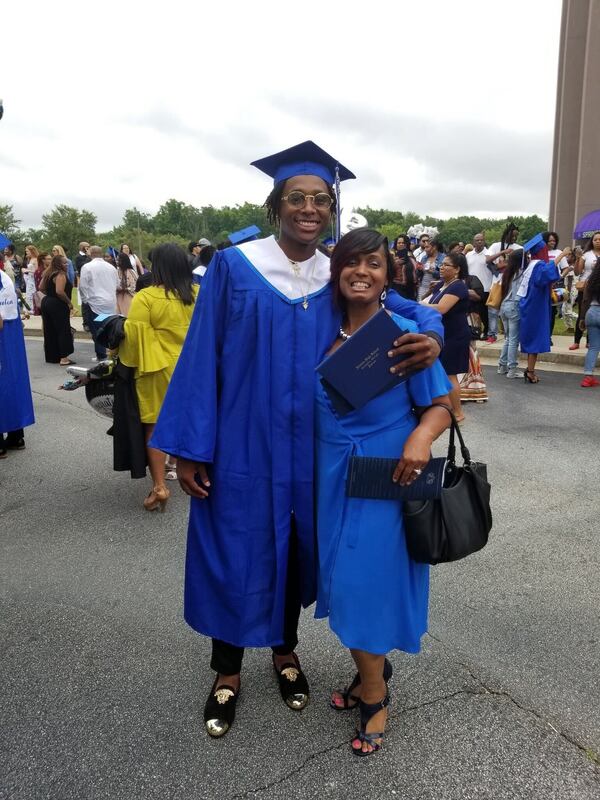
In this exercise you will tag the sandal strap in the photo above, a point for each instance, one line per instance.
(368, 710)
(370, 738)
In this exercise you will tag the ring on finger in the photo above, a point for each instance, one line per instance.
(417, 471)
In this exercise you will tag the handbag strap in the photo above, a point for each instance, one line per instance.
(454, 430)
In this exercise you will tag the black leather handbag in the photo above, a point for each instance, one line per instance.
(458, 522)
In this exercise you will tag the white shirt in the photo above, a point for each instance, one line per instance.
(9, 308)
(589, 262)
(477, 266)
(98, 286)
(497, 247)
(563, 262)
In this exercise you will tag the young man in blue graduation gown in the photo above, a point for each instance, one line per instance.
(535, 303)
(16, 405)
(238, 416)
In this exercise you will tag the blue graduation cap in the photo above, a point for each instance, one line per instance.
(244, 235)
(534, 244)
(329, 241)
(4, 241)
(305, 158)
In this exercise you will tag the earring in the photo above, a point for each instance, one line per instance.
(382, 296)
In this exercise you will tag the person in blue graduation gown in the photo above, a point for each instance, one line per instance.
(16, 405)
(238, 415)
(375, 595)
(534, 302)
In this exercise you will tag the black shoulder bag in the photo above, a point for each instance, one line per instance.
(458, 522)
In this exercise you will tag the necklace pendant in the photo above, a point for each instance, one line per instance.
(305, 304)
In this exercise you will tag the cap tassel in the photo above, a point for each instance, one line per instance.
(338, 209)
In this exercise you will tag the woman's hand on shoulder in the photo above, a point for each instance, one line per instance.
(421, 351)
(193, 478)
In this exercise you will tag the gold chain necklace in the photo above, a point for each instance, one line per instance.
(298, 275)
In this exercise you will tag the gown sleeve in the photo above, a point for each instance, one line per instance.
(425, 386)
(141, 347)
(545, 275)
(187, 423)
(427, 319)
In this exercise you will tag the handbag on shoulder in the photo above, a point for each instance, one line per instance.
(495, 296)
(458, 522)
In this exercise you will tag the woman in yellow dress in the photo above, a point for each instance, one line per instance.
(155, 329)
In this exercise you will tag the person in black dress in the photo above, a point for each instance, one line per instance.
(451, 298)
(56, 313)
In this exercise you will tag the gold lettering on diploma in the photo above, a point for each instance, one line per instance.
(369, 359)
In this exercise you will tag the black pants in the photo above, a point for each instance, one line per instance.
(227, 658)
(12, 438)
(483, 313)
(578, 331)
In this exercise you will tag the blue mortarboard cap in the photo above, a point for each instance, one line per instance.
(4, 240)
(534, 244)
(329, 241)
(245, 235)
(306, 158)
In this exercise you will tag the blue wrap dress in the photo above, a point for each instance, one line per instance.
(375, 595)
(241, 398)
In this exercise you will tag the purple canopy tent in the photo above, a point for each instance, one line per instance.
(587, 225)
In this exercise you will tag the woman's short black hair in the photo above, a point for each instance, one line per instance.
(548, 234)
(405, 242)
(123, 262)
(438, 244)
(172, 269)
(460, 262)
(206, 254)
(273, 202)
(358, 242)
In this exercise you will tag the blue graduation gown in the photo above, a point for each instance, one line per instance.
(16, 405)
(241, 398)
(534, 330)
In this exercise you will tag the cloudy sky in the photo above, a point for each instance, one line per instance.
(441, 108)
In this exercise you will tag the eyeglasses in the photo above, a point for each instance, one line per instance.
(298, 199)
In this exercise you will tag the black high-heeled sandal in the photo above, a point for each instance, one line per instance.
(346, 694)
(367, 712)
(219, 711)
(292, 684)
(530, 376)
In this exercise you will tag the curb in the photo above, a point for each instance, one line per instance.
(575, 359)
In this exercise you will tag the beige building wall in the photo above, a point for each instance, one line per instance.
(575, 189)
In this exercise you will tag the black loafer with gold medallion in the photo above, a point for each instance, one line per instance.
(292, 684)
(219, 711)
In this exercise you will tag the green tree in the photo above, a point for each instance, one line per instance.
(176, 218)
(68, 226)
(133, 219)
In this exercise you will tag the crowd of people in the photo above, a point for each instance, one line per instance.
(500, 292)
(224, 391)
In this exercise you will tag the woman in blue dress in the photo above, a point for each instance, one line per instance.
(16, 405)
(375, 596)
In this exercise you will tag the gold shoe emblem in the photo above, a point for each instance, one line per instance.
(291, 673)
(223, 695)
